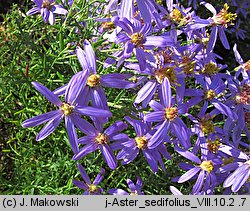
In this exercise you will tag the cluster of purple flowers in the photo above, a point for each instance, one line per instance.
(181, 87)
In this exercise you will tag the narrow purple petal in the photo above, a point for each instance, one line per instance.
(126, 27)
(98, 179)
(75, 87)
(117, 191)
(131, 185)
(85, 150)
(109, 156)
(38, 2)
(84, 125)
(90, 55)
(156, 106)
(126, 9)
(117, 80)
(128, 49)
(155, 116)
(50, 96)
(51, 18)
(141, 57)
(182, 132)
(40, 119)
(199, 182)
(166, 93)
(94, 112)
(45, 14)
(241, 179)
(189, 174)
(159, 136)
(210, 7)
(188, 155)
(146, 91)
(58, 9)
(158, 41)
(116, 127)
(80, 184)
(82, 58)
(151, 161)
(144, 11)
(61, 90)
(212, 40)
(237, 54)
(236, 153)
(34, 11)
(49, 128)
(175, 191)
(98, 98)
(223, 38)
(83, 173)
(72, 135)
(224, 109)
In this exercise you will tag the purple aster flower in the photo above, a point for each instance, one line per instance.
(133, 146)
(160, 67)
(70, 110)
(94, 90)
(134, 189)
(209, 94)
(167, 114)
(206, 180)
(219, 22)
(241, 173)
(47, 8)
(136, 39)
(90, 188)
(98, 139)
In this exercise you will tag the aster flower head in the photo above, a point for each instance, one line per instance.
(90, 188)
(136, 38)
(206, 180)
(95, 82)
(133, 146)
(47, 8)
(167, 114)
(70, 110)
(134, 189)
(106, 141)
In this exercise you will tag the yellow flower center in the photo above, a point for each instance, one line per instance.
(207, 125)
(187, 65)
(94, 80)
(246, 66)
(163, 72)
(213, 146)
(176, 15)
(46, 4)
(137, 38)
(207, 165)
(224, 17)
(171, 113)
(210, 94)
(141, 142)
(93, 189)
(102, 139)
(67, 109)
(210, 69)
